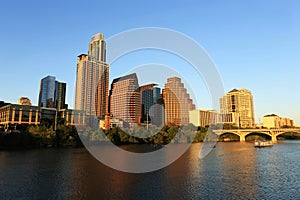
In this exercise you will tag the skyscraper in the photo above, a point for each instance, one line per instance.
(149, 94)
(60, 95)
(177, 102)
(125, 98)
(97, 47)
(159, 109)
(240, 104)
(92, 79)
(47, 90)
(52, 93)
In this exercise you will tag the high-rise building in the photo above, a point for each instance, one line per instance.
(177, 102)
(25, 101)
(92, 79)
(240, 104)
(158, 112)
(149, 94)
(97, 47)
(52, 93)
(47, 90)
(60, 95)
(125, 98)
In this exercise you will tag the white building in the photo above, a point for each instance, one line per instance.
(207, 117)
(274, 121)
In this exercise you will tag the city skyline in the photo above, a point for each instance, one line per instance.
(150, 99)
(225, 102)
(256, 50)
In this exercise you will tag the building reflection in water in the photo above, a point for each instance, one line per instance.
(233, 169)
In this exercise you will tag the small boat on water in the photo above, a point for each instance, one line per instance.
(263, 143)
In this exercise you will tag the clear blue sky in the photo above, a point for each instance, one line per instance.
(254, 44)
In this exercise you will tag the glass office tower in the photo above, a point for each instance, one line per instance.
(52, 93)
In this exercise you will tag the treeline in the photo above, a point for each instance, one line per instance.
(142, 135)
(40, 136)
(44, 136)
(64, 136)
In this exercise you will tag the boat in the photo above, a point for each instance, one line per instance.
(263, 143)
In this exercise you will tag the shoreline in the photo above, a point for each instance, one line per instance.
(155, 146)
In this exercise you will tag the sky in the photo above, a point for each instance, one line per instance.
(254, 45)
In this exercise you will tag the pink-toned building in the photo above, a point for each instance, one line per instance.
(177, 102)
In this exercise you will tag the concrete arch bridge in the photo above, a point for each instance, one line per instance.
(273, 133)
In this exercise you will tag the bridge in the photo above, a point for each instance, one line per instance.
(273, 133)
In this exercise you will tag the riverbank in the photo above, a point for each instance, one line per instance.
(67, 136)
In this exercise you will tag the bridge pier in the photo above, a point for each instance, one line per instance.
(274, 139)
(273, 134)
(242, 138)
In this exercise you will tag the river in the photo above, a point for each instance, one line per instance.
(233, 170)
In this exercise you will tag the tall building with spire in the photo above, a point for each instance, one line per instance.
(177, 102)
(97, 47)
(240, 104)
(92, 79)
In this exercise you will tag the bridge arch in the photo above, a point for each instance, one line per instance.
(273, 133)
(230, 132)
(283, 132)
(258, 133)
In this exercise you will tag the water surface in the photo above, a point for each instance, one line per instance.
(232, 170)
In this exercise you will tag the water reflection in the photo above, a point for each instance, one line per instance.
(279, 170)
(230, 171)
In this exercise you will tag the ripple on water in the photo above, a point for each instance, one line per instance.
(230, 171)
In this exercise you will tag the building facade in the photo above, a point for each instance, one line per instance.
(125, 99)
(47, 92)
(107, 124)
(240, 104)
(149, 94)
(72, 117)
(208, 117)
(52, 93)
(12, 115)
(2, 103)
(274, 121)
(271, 121)
(60, 95)
(287, 122)
(97, 47)
(177, 102)
(19, 114)
(92, 79)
